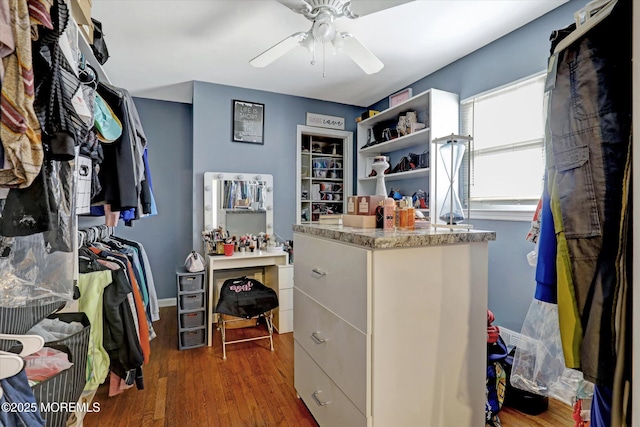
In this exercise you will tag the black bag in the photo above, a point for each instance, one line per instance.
(245, 297)
(99, 45)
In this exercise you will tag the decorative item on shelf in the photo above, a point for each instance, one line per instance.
(380, 164)
(395, 194)
(369, 113)
(423, 159)
(401, 127)
(452, 149)
(405, 164)
(400, 97)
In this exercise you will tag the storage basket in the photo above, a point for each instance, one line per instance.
(195, 338)
(192, 320)
(191, 283)
(66, 386)
(18, 320)
(192, 301)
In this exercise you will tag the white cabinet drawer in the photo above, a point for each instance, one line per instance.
(329, 406)
(337, 347)
(334, 274)
(285, 299)
(283, 321)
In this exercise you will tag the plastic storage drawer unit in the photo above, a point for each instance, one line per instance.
(194, 338)
(191, 283)
(192, 301)
(192, 320)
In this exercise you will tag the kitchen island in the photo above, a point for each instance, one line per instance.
(390, 327)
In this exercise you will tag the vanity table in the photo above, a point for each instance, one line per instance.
(278, 275)
(242, 203)
(390, 326)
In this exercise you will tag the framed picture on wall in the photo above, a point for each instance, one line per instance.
(400, 97)
(248, 122)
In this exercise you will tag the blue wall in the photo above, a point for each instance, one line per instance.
(214, 151)
(166, 236)
(519, 54)
(186, 141)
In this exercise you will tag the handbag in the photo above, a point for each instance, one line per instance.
(194, 262)
(99, 45)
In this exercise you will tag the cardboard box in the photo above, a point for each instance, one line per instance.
(330, 219)
(352, 202)
(367, 204)
(81, 10)
(238, 322)
(369, 113)
(359, 221)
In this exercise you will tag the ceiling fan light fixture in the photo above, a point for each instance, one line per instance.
(308, 42)
(323, 28)
(337, 42)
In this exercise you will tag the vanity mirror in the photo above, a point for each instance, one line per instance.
(240, 203)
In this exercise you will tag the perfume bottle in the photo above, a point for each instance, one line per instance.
(389, 214)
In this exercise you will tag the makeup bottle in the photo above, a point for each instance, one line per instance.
(389, 214)
(380, 215)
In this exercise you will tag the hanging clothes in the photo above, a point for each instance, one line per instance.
(589, 124)
(120, 336)
(19, 126)
(92, 287)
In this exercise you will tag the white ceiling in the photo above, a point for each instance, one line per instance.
(158, 46)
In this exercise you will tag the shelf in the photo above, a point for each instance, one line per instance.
(411, 140)
(320, 155)
(326, 201)
(415, 103)
(400, 175)
(327, 179)
(327, 169)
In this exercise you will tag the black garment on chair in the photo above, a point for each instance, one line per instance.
(245, 297)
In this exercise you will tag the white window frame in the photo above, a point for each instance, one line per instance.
(509, 209)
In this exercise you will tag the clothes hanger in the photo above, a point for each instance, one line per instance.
(585, 21)
(30, 343)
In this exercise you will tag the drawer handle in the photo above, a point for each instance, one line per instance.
(316, 338)
(317, 399)
(319, 273)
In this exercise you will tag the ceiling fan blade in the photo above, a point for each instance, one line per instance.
(367, 7)
(297, 6)
(276, 51)
(362, 56)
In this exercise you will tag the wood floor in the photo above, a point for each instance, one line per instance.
(252, 388)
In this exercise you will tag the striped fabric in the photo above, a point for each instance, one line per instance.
(19, 126)
(40, 13)
(20, 319)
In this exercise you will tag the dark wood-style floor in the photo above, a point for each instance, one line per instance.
(253, 387)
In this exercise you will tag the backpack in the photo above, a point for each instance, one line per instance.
(246, 298)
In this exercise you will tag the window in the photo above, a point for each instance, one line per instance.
(507, 156)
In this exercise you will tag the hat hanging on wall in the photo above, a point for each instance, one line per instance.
(107, 123)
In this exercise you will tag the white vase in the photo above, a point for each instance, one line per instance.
(380, 165)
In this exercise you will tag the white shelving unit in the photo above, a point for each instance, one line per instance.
(324, 173)
(439, 111)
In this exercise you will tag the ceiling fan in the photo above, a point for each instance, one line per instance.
(323, 14)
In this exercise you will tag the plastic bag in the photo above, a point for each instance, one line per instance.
(194, 262)
(538, 364)
(45, 363)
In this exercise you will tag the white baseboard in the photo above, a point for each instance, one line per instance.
(167, 302)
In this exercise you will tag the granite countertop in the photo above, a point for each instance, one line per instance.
(380, 239)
